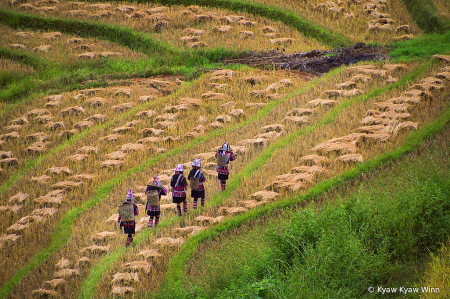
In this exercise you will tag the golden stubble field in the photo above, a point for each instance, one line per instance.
(77, 189)
(349, 123)
(344, 124)
(191, 27)
(63, 48)
(84, 138)
(94, 221)
(353, 18)
(442, 7)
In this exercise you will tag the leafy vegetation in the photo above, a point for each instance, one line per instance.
(349, 241)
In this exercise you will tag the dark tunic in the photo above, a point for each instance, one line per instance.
(178, 193)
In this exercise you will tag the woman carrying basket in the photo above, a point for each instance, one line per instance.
(127, 212)
(196, 179)
(179, 185)
(224, 155)
(153, 208)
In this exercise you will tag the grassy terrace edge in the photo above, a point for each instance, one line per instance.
(169, 60)
(426, 16)
(289, 18)
(122, 36)
(127, 37)
(88, 287)
(29, 59)
(63, 229)
(33, 163)
(177, 265)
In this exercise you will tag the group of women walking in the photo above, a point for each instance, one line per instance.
(128, 210)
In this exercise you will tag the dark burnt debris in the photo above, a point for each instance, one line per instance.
(316, 62)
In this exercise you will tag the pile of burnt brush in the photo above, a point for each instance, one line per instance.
(316, 62)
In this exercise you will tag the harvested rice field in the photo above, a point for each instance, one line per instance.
(97, 99)
(354, 19)
(186, 27)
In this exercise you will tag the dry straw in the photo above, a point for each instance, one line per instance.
(172, 25)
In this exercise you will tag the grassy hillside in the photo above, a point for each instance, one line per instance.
(97, 97)
(378, 230)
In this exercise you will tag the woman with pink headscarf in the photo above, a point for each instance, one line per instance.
(154, 211)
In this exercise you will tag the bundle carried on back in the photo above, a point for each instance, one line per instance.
(126, 212)
(222, 160)
(152, 198)
(194, 182)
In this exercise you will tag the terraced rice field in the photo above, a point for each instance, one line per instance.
(182, 27)
(70, 153)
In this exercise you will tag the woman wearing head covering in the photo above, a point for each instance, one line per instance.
(129, 226)
(224, 155)
(197, 179)
(154, 210)
(179, 186)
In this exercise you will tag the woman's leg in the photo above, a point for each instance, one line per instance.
(223, 184)
(185, 209)
(129, 239)
(195, 203)
(150, 222)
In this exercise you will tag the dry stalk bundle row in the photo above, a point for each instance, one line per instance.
(64, 48)
(344, 149)
(367, 19)
(183, 27)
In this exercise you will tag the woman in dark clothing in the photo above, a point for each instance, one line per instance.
(154, 211)
(179, 186)
(129, 227)
(197, 175)
(227, 155)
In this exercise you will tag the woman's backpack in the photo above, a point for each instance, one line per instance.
(194, 182)
(222, 160)
(126, 212)
(152, 198)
